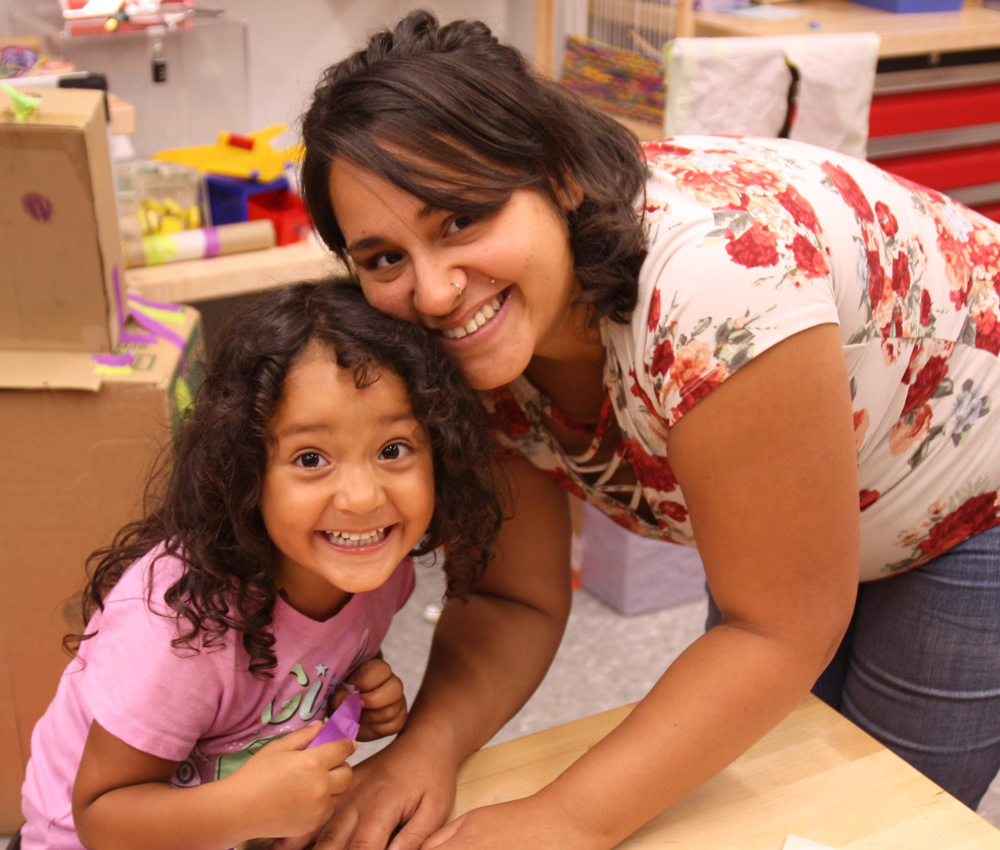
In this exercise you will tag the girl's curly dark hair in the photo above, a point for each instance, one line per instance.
(204, 498)
(454, 117)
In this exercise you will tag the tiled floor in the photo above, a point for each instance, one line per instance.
(606, 660)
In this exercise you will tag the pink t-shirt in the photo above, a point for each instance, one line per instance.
(205, 710)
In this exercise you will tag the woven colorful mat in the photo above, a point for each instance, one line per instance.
(625, 82)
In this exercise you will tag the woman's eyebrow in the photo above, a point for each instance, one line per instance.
(367, 242)
(425, 212)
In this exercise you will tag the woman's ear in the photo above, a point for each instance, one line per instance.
(569, 193)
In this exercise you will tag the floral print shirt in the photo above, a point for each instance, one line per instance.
(751, 241)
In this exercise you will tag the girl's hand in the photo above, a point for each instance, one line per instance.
(527, 824)
(287, 790)
(401, 787)
(384, 706)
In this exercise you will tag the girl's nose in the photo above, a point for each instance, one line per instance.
(357, 491)
(438, 289)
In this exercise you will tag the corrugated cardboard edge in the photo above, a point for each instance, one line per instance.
(83, 109)
(156, 364)
(102, 189)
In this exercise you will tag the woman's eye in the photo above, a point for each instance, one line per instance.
(394, 451)
(459, 223)
(310, 460)
(383, 261)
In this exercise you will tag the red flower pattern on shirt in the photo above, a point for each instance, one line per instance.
(801, 210)
(758, 246)
(850, 191)
(926, 382)
(777, 215)
(976, 514)
(808, 260)
(886, 220)
(987, 331)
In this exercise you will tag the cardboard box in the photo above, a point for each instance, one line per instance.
(58, 226)
(75, 454)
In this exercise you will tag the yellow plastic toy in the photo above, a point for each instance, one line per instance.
(250, 157)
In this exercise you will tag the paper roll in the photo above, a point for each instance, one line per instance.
(199, 243)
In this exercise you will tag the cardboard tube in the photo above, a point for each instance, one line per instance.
(200, 242)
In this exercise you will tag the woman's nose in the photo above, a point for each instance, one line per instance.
(438, 288)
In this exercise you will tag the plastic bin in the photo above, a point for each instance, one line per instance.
(909, 6)
(228, 196)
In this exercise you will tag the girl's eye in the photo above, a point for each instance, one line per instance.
(394, 451)
(310, 460)
(459, 223)
(383, 261)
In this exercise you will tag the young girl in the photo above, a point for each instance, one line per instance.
(328, 444)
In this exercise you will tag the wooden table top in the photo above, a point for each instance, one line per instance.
(235, 274)
(972, 28)
(816, 776)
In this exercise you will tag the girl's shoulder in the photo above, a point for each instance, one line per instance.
(137, 605)
(147, 579)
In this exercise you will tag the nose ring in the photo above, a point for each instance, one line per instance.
(457, 285)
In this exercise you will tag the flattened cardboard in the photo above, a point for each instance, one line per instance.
(74, 463)
(58, 226)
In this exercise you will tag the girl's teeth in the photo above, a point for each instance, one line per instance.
(349, 540)
(487, 312)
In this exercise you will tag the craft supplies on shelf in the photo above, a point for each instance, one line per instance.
(199, 243)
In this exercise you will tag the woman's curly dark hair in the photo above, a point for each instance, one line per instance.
(454, 117)
(204, 498)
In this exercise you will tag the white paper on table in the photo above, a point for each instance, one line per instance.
(793, 842)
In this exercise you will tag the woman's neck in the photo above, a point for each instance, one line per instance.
(571, 374)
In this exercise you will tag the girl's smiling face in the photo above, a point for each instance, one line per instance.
(513, 269)
(349, 486)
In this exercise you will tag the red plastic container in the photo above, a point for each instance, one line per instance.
(286, 210)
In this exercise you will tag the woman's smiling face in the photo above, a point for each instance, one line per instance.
(513, 270)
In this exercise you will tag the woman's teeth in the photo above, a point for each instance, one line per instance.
(485, 313)
(349, 539)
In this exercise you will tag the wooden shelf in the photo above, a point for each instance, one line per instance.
(235, 274)
(972, 28)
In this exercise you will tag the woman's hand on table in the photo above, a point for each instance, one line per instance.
(396, 787)
(527, 824)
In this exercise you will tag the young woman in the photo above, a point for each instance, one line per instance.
(327, 444)
(781, 355)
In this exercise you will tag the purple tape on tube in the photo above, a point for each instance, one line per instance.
(211, 242)
(126, 359)
(156, 305)
(345, 722)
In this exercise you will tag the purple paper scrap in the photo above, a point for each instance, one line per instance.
(345, 722)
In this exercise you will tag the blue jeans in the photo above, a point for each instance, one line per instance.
(919, 667)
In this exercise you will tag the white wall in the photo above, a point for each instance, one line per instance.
(292, 41)
(287, 54)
